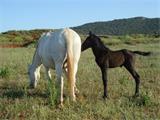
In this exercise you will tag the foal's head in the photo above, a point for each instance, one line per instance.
(91, 41)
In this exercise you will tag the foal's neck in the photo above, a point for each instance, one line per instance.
(100, 51)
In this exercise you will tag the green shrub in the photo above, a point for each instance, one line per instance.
(18, 39)
(4, 72)
(145, 100)
(142, 100)
(52, 91)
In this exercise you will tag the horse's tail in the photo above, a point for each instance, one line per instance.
(142, 53)
(70, 61)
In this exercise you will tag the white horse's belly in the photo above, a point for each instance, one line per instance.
(48, 62)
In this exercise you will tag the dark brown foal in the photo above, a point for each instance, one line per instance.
(106, 58)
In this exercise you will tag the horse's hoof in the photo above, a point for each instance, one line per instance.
(76, 94)
(74, 100)
(31, 86)
(64, 95)
(77, 91)
(60, 105)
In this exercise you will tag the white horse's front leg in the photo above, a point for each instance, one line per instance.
(34, 74)
(59, 83)
(48, 73)
(37, 75)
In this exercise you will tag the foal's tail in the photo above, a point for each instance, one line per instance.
(70, 62)
(142, 53)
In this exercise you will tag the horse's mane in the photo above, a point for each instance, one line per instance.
(101, 44)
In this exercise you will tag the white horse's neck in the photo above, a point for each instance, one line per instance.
(36, 61)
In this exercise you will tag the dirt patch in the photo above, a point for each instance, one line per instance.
(10, 46)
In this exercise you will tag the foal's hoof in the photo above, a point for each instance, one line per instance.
(136, 95)
(105, 97)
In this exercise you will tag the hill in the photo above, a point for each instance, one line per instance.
(136, 25)
(20, 38)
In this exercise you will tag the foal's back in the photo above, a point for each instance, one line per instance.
(116, 58)
(119, 58)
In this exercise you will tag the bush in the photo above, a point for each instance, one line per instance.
(4, 72)
(52, 91)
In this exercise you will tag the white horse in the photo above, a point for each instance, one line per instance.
(53, 50)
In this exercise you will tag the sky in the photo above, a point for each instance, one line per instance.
(54, 14)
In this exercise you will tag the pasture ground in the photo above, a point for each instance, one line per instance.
(19, 102)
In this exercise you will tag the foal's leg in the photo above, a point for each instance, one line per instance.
(135, 75)
(104, 78)
(59, 82)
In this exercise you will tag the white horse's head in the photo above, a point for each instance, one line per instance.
(32, 77)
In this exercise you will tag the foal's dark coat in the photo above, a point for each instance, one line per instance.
(106, 58)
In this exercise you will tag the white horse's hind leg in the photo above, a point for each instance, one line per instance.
(59, 82)
(75, 72)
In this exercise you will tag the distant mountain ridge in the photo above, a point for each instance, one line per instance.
(136, 25)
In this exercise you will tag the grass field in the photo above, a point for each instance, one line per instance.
(19, 102)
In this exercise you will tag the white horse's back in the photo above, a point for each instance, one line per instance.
(51, 44)
(53, 49)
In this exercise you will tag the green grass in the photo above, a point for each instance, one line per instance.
(19, 102)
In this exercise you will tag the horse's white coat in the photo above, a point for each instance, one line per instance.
(52, 50)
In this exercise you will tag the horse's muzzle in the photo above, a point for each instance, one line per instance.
(31, 86)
